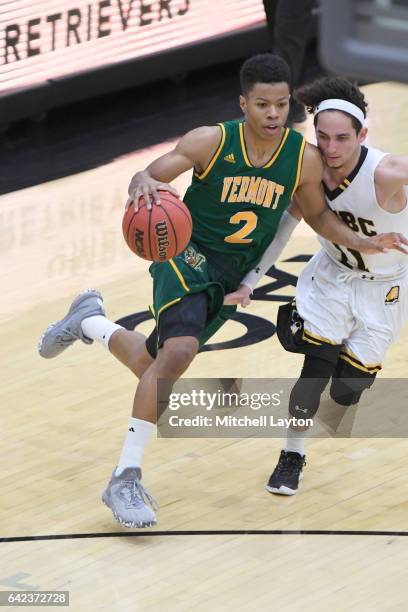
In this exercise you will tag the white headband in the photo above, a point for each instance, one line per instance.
(341, 105)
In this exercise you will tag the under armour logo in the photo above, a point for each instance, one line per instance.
(301, 409)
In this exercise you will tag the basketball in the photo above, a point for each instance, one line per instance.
(160, 233)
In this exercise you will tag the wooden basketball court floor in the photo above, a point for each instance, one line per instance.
(339, 543)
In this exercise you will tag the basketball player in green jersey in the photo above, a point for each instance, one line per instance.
(244, 175)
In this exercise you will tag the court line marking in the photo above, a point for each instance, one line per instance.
(199, 532)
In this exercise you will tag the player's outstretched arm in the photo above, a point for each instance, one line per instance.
(318, 215)
(194, 149)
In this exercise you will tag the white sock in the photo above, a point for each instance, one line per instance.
(295, 442)
(99, 328)
(137, 437)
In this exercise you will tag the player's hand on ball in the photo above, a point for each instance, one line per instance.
(242, 297)
(143, 185)
(382, 243)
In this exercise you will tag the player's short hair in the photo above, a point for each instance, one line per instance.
(263, 68)
(312, 94)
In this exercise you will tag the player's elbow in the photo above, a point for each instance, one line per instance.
(315, 221)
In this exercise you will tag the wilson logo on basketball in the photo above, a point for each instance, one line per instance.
(139, 242)
(162, 235)
(157, 233)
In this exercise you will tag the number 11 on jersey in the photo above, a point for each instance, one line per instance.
(349, 262)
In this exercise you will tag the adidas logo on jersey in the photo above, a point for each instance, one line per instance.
(230, 158)
(392, 295)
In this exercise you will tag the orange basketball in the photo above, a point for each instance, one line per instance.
(160, 233)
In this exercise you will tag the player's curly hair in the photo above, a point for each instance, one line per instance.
(312, 94)
(263, 68)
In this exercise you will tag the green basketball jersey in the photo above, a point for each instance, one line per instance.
(236, 207)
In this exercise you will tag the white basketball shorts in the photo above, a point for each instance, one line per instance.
(366, 316)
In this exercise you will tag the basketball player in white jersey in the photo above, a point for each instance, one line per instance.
(349, 307)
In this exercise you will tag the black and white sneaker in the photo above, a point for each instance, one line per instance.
(284, 480)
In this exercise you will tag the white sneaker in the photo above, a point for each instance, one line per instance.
(62, 334)
(131, 504)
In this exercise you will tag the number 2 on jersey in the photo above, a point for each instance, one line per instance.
(250, 220)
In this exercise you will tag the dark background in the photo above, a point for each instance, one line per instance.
(86, 134)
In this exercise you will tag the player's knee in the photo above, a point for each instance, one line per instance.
(305, 396)
(349, 383)
(175, 356)
(139, 363)
(342, 394)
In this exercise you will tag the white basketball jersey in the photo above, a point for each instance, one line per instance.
(355, 202)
